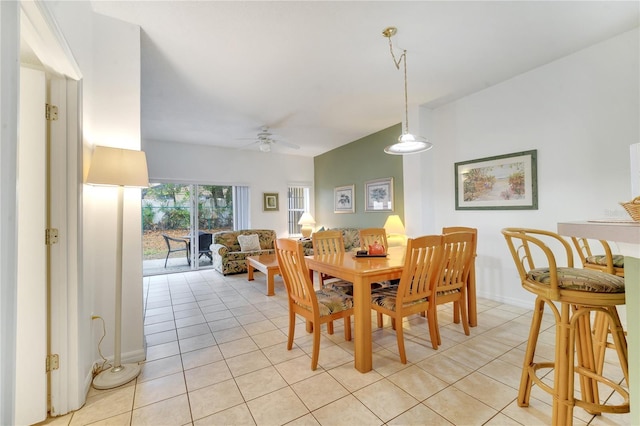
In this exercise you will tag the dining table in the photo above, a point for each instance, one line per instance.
(362, 272)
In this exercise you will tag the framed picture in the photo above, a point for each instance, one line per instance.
(270, 201)
(344, 200)
(379, 195)
(504, 182)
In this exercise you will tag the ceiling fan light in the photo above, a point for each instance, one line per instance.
(409, 144)
(265, 147)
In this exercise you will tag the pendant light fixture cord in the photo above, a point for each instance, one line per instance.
(407, 143)
(396, 62)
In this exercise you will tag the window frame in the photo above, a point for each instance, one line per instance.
(298, 202)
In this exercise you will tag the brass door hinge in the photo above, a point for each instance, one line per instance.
(51, 236)
(51, 113)
(53, 362)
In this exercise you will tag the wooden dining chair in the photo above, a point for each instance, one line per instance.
(423, 267)
(317, 307)
(330, 242)
(472, 308)
(452, 285)
(369, 236)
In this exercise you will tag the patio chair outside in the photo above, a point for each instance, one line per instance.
(176, 247)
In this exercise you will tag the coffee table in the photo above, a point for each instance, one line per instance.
(268, 265)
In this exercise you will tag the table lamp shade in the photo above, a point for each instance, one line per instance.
(118, 167)
(307, 221)
(394, 225)
(395, 231)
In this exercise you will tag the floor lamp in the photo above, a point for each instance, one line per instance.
(118, 167)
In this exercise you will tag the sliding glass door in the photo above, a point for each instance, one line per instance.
(178, 221)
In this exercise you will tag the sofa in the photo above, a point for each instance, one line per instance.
(351, 237)
(227, 253)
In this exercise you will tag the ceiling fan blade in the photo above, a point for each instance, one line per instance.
(287, 144)
(264, 139)
(248, 145)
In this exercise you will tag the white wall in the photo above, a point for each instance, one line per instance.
(115, 121)
(580, 112)
(108, 54)
(260, 171)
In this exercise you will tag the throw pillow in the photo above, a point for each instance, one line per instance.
(249, 242)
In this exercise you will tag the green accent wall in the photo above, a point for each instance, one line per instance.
(354, 164)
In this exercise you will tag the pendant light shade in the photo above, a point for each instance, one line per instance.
(407, 143)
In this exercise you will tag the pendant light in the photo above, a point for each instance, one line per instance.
(407, 142)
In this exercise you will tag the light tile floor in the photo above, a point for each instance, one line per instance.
(216, 355)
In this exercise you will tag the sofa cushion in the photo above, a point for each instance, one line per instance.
(351, 237)
(249, 242)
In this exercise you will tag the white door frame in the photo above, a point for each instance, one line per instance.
(65, 266)
(9, 76)
(32, 312)
(39, 31)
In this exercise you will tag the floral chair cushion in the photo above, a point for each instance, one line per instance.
(601, 259)
(332, 301)
(346, 287)
(580, 279)
(387, 296)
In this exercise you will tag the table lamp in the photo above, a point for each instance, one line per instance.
(395, 231)
(307, 221)
(118, 167)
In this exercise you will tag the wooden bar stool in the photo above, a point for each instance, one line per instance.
(571, 294)
(611, 264)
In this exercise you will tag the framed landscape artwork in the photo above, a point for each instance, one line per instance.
(503, 182)
(343, 199)
(270, 201)
(379, 195)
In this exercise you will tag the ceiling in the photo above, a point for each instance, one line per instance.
(320, 73)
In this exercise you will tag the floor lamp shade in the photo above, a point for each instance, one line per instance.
(118, 167)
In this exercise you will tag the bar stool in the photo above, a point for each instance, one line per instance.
(612, 264)
(571, 294)
(607, 262)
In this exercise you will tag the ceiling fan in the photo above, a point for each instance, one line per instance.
(265, 140)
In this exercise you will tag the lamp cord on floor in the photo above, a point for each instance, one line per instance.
(105, 362)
